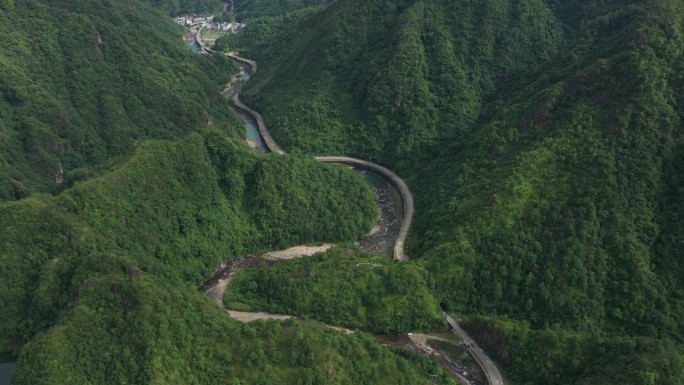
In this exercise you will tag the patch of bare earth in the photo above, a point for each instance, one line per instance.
(297, 252)
(216, 292)
(253, 316)
(216, 286)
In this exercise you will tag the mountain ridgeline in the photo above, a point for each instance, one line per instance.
(174, 210)
(543, 143)
(391, 78)
(177, 7)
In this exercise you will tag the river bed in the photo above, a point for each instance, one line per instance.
(384, 234)
(382, 237)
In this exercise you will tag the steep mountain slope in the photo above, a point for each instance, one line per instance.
(251, 9)
(177, 7)
(543, 143)
(564, 195)
(102, 105)
(133, 328)
(81, 82)
(176, 211)
(393, 78)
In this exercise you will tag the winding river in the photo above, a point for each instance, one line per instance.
(382, 238)
(222, 277)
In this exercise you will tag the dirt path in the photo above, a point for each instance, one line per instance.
(420, 342)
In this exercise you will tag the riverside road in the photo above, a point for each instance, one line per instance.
(488, 367)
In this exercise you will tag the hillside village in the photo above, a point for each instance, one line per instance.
(207, 22)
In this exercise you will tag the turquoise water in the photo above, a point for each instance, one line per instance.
(194, 47)
(6, 373)
(253, 135)
(250, 125)
(373, 179)
(252, 131)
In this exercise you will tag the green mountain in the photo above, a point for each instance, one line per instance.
(176, 210)
(81, 82)
(178, 7)
(253, 9)
(543, 143)
(340, 288)
(128, 327)
(124, 182)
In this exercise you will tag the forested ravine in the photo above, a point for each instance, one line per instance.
(392, 195)
(217, 284)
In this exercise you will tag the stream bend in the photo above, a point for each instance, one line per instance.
(492, 374)
(385, 173)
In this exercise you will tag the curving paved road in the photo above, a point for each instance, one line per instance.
(490, 370)
(250, 63)
(261, 125)
(488, 367)
(385, 173)
(406, 197)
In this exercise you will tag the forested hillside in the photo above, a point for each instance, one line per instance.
(177, 7)
(82, 81)
(340, 288)
(542, 140)
(254, 9)
(390, 78)
(133, 328)
(543, 143)
(124, 182)
(176, 211)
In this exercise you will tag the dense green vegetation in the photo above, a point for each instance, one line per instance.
(340, 288)
(178, 7)
(82, 81)
(559, 356)
(262, 29)
(254, 9)
(99, 279)
(542, 141)
(390, 78)
(297, 200)
(177, 210)
(135, 329)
